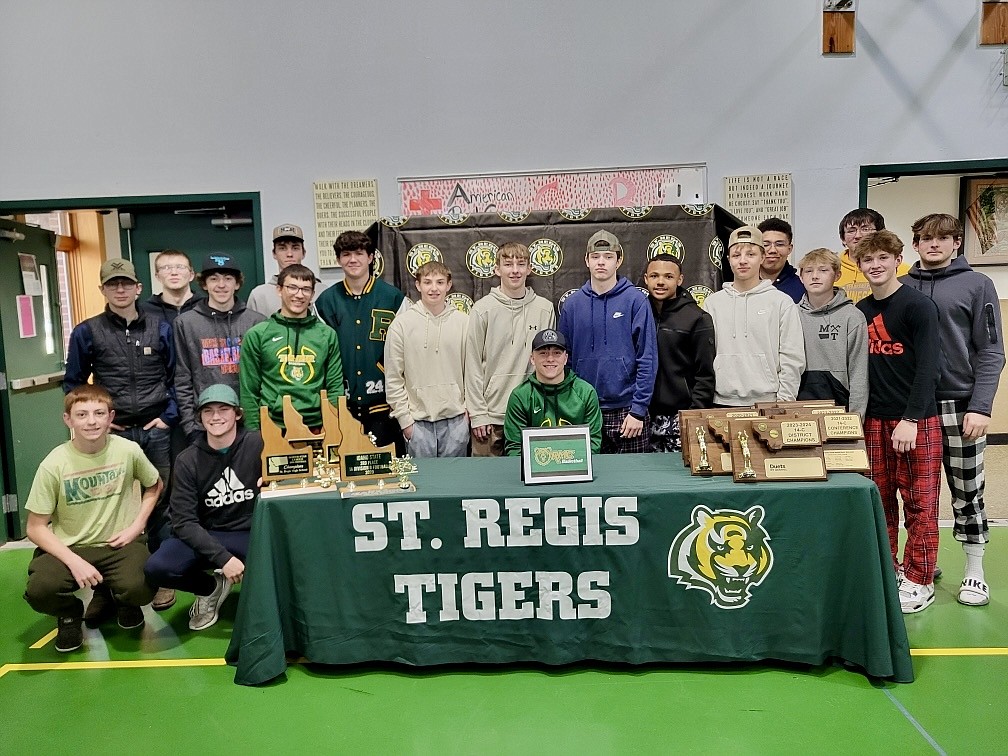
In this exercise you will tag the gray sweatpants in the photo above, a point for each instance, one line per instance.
(439, 438)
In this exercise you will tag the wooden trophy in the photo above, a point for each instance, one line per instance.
(359, 459)
(776, 449)
(281, 461)
(843, 440)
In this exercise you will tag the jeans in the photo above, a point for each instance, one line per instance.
(176, 565)
(156, 446)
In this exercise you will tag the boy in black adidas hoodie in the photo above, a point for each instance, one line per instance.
(214, 491)
(685, 352)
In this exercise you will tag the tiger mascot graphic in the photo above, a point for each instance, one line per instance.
(724, 552)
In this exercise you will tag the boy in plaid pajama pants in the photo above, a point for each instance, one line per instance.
(972, 357)
(902, 432)
(613, 345)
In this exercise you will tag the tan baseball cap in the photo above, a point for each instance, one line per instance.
(603, 241)
(748, 234)
(288, 231)
(117, 267)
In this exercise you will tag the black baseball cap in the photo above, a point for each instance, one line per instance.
(549, 338)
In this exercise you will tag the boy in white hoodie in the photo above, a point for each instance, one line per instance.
(425, 366)
(760, 349)
(501, 328)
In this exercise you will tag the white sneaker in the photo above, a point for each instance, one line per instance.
(205, 609)
(915, 597)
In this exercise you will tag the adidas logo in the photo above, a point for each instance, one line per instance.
(879, 340)
(228, 490)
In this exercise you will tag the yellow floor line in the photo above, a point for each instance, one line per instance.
(959, 652)
(124, 664)
(43, 640)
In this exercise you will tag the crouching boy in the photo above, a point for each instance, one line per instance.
(214, 491)
(88, 525)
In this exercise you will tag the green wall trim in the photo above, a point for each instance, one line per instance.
(924, 169)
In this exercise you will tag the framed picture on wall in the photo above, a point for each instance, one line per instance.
(983, 208)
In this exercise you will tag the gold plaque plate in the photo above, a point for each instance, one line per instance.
(846, 460)
(793, 468)
(846, 425)
(800, 432)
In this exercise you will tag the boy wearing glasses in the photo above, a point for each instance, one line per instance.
(778, 244)
(174, 270)
(290, 353)
(854, 226)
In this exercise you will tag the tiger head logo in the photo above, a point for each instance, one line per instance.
(724, 552)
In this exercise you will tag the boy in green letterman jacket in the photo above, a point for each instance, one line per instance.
(292, 353)
(361, 309)
(551, 396)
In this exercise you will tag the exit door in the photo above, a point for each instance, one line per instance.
(31, 364)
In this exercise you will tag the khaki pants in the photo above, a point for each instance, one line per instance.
(493, 446)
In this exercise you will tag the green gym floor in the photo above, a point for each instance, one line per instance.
(166, 690)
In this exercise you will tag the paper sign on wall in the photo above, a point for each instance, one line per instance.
(340, 206)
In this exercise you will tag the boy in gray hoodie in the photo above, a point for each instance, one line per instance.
(971, 360)
(208, 338)
(836, 336)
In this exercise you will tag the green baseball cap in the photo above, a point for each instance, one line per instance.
(219, 393)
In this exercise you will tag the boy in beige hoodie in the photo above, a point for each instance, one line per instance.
(424, 369)
(501, 328)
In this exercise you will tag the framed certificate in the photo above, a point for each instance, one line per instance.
(556, 455)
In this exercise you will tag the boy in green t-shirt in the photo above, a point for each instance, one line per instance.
(88, 525)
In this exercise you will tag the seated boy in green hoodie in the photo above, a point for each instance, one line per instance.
(551, 396)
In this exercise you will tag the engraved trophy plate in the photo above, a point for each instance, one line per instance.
(771, 449)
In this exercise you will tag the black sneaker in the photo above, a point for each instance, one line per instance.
(69, 634)
(130, 617)
(101, 608)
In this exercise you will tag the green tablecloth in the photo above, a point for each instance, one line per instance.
(645, 564)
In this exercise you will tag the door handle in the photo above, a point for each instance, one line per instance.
(36, 380)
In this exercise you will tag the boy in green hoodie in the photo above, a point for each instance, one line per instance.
(293, 353)
(551, 396)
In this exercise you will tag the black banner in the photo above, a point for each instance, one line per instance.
(557, 241)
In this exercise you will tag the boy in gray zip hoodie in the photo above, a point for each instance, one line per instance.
(971, 360)
(836, 336)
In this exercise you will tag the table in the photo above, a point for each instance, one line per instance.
(644, 564)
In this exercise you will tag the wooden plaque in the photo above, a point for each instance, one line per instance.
(843, 441)
(754, 457)
(281, 460)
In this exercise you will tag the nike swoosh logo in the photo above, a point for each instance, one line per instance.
(276, 338)
(617, 315)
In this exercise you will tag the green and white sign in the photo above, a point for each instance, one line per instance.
(556, 455)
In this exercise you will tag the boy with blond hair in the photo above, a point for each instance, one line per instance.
(836, 336)
(902, 432)
(501, 328)
(425, 369)
(760, 349)
(88, 524)
(972, 357)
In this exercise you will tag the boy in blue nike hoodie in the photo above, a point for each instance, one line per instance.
(613, 346)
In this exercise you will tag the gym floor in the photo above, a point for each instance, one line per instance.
(164, 689)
